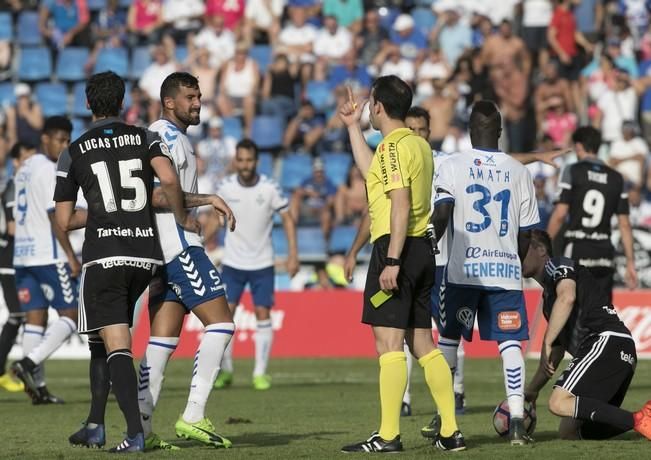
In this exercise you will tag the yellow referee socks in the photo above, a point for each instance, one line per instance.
(439, 381)
(393, 382)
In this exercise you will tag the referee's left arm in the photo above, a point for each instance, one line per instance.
(400, 206)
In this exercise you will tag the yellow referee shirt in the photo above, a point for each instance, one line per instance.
(402, 159)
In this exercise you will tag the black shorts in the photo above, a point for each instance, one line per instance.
(409, 308)
(108, 295)
(535, 38)
(10, 294)
(571, 71)
(602, 369)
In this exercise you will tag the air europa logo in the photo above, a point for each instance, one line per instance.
(477, 162)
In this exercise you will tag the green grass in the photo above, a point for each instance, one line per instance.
(313, 408)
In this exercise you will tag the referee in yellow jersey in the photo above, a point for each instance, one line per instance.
(400, 275)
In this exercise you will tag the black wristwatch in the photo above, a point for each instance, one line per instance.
(391, 262)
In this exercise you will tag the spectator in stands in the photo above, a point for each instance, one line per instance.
(13, 5)
(182, 18)
(232, 11)
(453, 36)
(589, 17)
(545, 203)
(332, 42)
(411, 41)
(433, 67)
(640, 209)
(278, 88)
(65, 23)
(153, 76)
(335, 137)
(349, 13)
(503, 46)
(389, 61)
(136, 113)
(536, 16)
(145, 21)
(350, 200)
(458, 138)
(482, 28)
(440, 106)
(559, 123)
(296, 39)
(200, 67)
(215, 38)
(238, 87)
(109, 31)
(217, 151)
(25, 119)
(305, 130)
(372, 39)
(552, 90)
(313, 202)
(262, 20)
(350, 72)
(630, 154)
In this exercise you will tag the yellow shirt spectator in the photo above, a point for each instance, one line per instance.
(402, 159)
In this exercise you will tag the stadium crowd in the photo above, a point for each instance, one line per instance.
(277, 71)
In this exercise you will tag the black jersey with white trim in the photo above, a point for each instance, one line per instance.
(111, 164)
(592, 312)
(7, 240)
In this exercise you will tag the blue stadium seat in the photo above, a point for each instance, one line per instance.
(388, 16)
(125, 3)
(140, 60)
(232, 127)
(267, 131)
(96, 5)
(266, 164)
(311, 244)
(35, 63)
(53, 98)
(320, 95)
(337, 165)
(70, 64)
(115, 59)
(424, 19)
(7, 95)
(79, 101)
(295, 169)
(181, 53)
(342, 238)
(27, 29)
(6, 26)
(262, 55)
(78, 128)
(279, 242)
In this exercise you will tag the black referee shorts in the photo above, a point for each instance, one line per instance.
(108, 294)
(8, 283)
(410, 306)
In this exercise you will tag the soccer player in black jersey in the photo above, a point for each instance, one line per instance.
(114, 164)
(18, 153)
(590, 194)
(583, 322)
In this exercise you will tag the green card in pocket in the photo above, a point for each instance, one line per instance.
(380, 297)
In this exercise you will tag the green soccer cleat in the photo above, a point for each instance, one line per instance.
(223, 380)
(154, 442)
(262, 382)
(202, 431)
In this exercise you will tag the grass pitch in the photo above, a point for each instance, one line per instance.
(313, 408)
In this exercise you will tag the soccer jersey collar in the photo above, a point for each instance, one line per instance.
(257, 179)
(103, 121)
(486, 149)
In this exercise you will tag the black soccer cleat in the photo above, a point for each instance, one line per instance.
(459, 403)
(23, 371)
(375, 444)
(518, 436)
(405, 410)
(454, 443)
(94, 438)
(130, 445)
(432, 430)
(43, 396)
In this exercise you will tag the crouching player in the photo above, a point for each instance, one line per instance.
(583, 322)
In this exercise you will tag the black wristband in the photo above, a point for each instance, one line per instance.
(391, 262)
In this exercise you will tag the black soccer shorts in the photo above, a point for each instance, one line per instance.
(108, 293)
(410, 306)
(10, 293)
(602, 369)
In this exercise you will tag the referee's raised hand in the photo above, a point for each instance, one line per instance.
(351, 112)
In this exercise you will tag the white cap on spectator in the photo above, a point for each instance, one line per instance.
(317, 165)
(215, 122)
(22, 89)
(403, 22)
(447, 5)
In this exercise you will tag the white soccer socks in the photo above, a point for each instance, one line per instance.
(263, 340)
(513, 366)
(458, 373)
(227, 360)
(32, 337)
(410, 364)
(207, 363)
(54, 337)
(151, 375)
(449, 349)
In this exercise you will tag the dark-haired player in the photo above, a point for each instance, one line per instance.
(46, 265)
(189, 282)
(583, 322)
(114, 164)
(590, 194)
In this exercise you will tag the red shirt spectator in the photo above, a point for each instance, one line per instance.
(146, 14)
(231, 10)
(564, 25)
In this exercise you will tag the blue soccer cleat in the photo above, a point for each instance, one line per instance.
(130, 445)
(95, 438)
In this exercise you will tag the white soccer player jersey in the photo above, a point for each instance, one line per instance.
(249, 246)
(494, 199)
(35, 243)
(444, 242)
(173, 238)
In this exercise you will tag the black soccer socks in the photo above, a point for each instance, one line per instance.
(125, 388)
